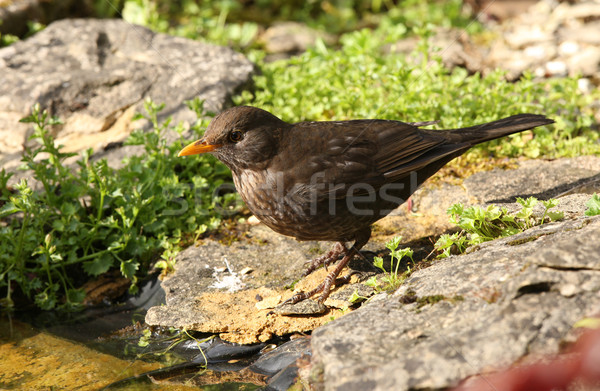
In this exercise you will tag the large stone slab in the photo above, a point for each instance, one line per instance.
(512, 299)
(96, 74)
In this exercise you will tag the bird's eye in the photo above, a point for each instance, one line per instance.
(235, 136)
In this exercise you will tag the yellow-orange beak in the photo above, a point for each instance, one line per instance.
(197, 147)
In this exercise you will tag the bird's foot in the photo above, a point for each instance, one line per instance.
(321, 288)
(325, 260)
(325, 287)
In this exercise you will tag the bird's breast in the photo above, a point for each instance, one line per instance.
(290, 208)
(270, 199)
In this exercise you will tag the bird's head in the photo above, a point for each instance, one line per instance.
(241, 137)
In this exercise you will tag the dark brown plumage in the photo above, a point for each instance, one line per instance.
(332, 180)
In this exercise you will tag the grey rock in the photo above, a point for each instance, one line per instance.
(587, 33)
(489, 308)
(550, 39)
(538, 178)
(498, 9)
(525, 35)
(276, 260)
(453, 45)
(586, 62)
(585, 9)
(542, 52)
(95, 74)
(291, 38)
(457, 49)
(556, 68)
(305, 307)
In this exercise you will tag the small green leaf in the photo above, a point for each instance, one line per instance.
(75, 295)
(556, 216)
(128, 268)
(99, 265)
(593, 206)
(58, 225)
(8, 209)
(589, 323)
(67, 209)
(378, 262)
(393, 243)
(551, 203)
(372, 282)
(355, 297)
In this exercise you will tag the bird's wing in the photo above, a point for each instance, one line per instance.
(404, 149)
(358, 154)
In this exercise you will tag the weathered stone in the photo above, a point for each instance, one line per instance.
(196, 300)
(528, 35)
(550, 39)
(499, 304)
(556, 68)
(457, 49)
(95, 74)
(589, 33)
(540, 52)
(499, 9)
(538, 178)
(586, 62)
(291, 37)
(453, 45)
(585, 9)
(568, 48)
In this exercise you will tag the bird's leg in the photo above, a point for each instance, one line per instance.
(325, 287)
(325, 260)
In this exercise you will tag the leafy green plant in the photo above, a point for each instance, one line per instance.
(391, 279)
(7, 39)
(362, 79)
(593, 206)
(237, 23)
(92, 218)
(481, 225)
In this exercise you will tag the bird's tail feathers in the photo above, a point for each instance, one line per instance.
(496, 129)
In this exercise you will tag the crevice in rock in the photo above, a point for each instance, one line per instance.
(103, 47)
(534, 288)
(527, 239)
(571, 268)
(559, 190)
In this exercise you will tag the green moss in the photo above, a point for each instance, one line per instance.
(432, 299)
(524, 240)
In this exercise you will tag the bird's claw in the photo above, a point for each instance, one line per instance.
(324, 260)
(324, 288)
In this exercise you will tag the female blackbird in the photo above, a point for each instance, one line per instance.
(332, 180)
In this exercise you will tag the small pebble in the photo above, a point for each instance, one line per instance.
(539, 72)
(246, 270)
(253, 220)
(568, 290)
(268, 303)
(556, 68)
(584, 85)
(568, 48)
(536, 51)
